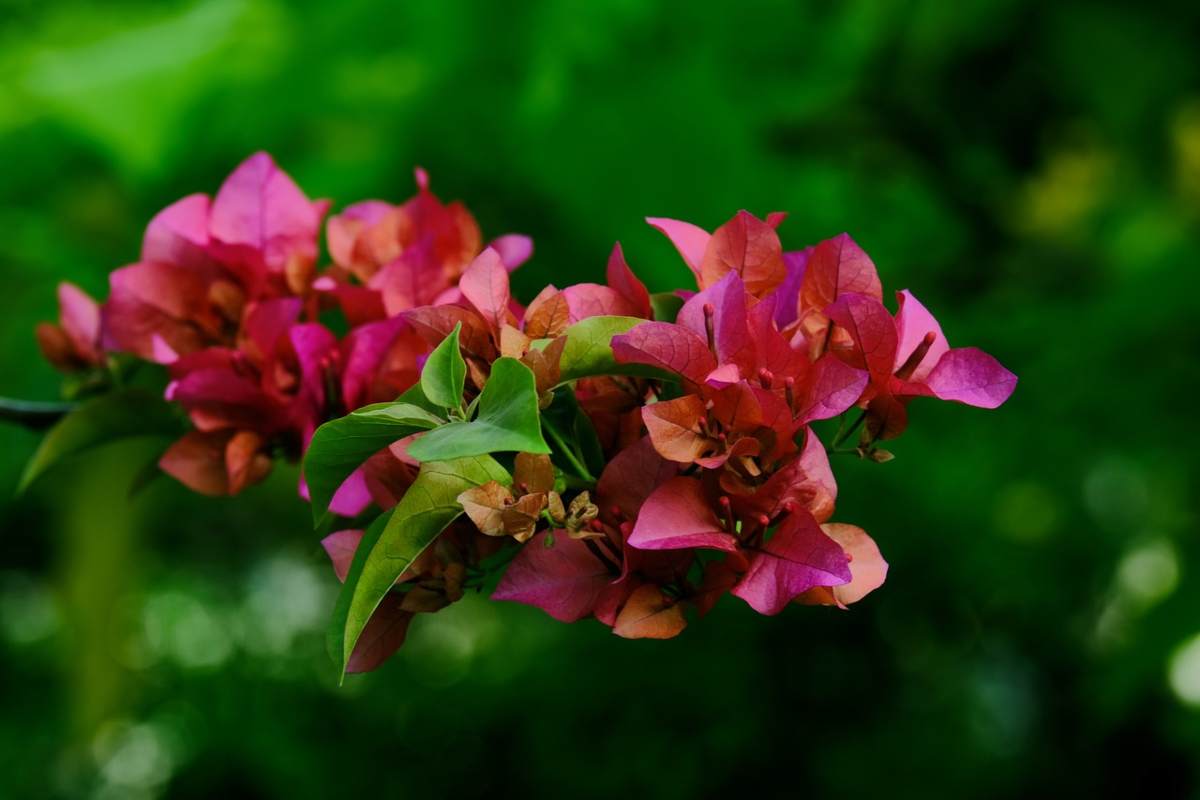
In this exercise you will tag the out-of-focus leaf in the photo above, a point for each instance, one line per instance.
(396, 539)
(119, 415)
(507, 421)
(340, 446)
(666, 306)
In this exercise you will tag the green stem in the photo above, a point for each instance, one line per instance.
(574, 482)
(580, 469)
(33, 415)
(842, 436)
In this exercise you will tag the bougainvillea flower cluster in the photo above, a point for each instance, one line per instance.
(602, 452)
(227, 294)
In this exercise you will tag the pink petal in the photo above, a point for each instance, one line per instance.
(219, 399)
(514, 249)
(798, 557)
(830, 388)
(678, 516)
(631, 476)
(198, 462)
(722, 376)
(359, 304)
(80, 318)
(787, 294)
(161, 352)
(872, 330)
(969, 375)
(340, 547)
(179, 233)
(666, 346)
(352, 497)
(731, 333)
(593, 300)
(421, 176)
(804, 481)
(913, 323)
(690, 240)
(772, 350)
(259, 210)
(563, 580)
(649, 613)
(382, 635)
(365, 349)
(267, 322)
(814, 461)
(312, 343)
(148, 299)
(485, 285)
(837, 266)
(414, 278)
(748, 246)
(868, 570)
(176, 291)
(621, 278)
(342, 230)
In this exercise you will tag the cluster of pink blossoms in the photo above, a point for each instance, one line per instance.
(695, 410)
(227, 294)
(729, 484)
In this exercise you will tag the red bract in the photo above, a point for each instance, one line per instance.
(224, 293)
(908, 356)
(746, 245)
(204, 263)
(411, 254)
(272, 388)
(712, 479)
(744, 377)
(74, 343)
(571, 578)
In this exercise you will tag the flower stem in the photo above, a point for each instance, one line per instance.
(605, 560)
(33, 415)
(842, 436)
(567, 451)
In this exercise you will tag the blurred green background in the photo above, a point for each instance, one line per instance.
(1030, 169)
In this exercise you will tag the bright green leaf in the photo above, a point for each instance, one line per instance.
(415, 396)
(396, 539)
(507, 420)
(340, 446)
(445, 373)
(589, 350)
(119, 415)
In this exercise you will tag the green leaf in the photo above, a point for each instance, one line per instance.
(415, 396)
(445, 373)
(507, 421)
(397, 538)
(589, 350)
(122, 414)
(340, 446)
(666, 306)
(567, 417)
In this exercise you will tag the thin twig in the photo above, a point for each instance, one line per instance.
(580, 469)
(33, 415)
